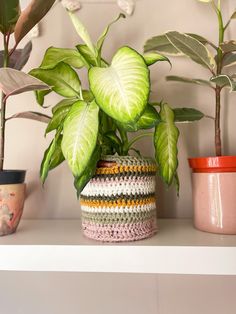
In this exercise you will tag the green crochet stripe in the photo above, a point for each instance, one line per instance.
(115, 218)
(126, 197)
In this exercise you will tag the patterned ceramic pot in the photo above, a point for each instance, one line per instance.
(12, 197)
(118, 204)
(214, 193)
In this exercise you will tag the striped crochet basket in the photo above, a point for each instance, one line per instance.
(118, 203)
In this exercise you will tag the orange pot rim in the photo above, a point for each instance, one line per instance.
(213, 164)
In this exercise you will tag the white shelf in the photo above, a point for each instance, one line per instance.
(58, 245)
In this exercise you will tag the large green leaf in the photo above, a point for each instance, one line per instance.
(192, 48)
(165, 142)
(161, 44)
(224, 80)
(82, 32)
(53, 56)
(148, 120)
(122, 89)
(80, 135)
(62, 79)
(9, 14)
(187, 114)
(202, 40)
(52, 156)
(13, 82)
(174, 78)
(30, 16)
(89, 171)
(153, 57)
(58, 118)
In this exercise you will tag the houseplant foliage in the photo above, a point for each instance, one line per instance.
(17, 23)
(90, 123)
(213, 177)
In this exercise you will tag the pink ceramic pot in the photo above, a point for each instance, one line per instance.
(214, 193)
(12, 197)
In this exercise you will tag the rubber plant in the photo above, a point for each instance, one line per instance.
(18, 23)
(217, 59)
(93, 122)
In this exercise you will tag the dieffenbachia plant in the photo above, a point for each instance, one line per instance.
(93, 122)
(15, 22)
(214, 58)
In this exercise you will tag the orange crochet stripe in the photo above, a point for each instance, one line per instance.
(121, 169)
(119, 202)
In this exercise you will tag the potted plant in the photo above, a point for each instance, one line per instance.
(213, 178)
(12, 82)
(91, 133)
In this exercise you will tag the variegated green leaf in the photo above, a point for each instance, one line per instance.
(62, 79)
(80, 135)
(58, 118)
(229, 59)
(122, 89)
(228, 46)
(192, 48)
(182, 79)
(53, 56)
(225, 81)
(162, 45)
(165, 142)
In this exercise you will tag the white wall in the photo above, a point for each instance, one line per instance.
(104, 293)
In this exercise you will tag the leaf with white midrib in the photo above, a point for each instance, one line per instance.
(80, 135)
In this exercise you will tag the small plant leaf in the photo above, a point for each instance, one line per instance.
(32, 115)
(148, 120)
(53, 56)
(229, 59)
(161, 44)
(224, 81)
(153, 57)
(165, 142)
(122, 89)
(104, 34)
(9, 14)
(228, 46)
(80, 135)
(82, 32)
(40, 95)
(18, 58)
(187, 114)
(202, 40)
(192, 48)
(64, 103)
(48, 161)
(30, 16)
(14, 82)
(58, 118)
(62, 79)
(89, 171)
(173, 78)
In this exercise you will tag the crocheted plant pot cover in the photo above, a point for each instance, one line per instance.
(118, 204)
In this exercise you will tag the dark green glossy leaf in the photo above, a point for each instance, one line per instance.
(9, 14)
(187, 114)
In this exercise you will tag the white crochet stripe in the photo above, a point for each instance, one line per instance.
(118, 209)
(125, 187)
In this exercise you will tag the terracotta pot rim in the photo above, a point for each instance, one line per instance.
(213, 164)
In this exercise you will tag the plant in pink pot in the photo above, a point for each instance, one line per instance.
(213, 178)
(15, 22)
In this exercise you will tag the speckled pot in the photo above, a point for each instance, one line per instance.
(214, 194)
(12, 197)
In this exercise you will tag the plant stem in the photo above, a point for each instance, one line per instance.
(3, 106)
(218, 144)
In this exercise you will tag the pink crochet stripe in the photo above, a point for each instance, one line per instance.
(119, 232)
